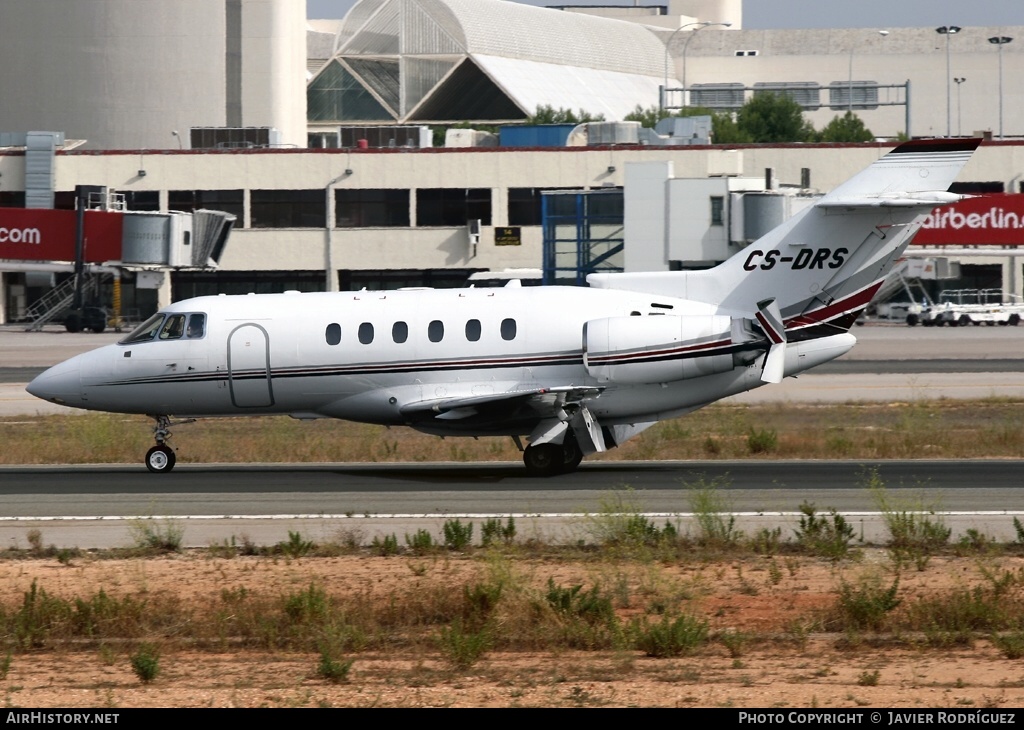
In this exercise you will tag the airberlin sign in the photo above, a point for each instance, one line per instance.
(993, 220)
(43, 234)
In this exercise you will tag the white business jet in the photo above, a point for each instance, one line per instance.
(573, 370)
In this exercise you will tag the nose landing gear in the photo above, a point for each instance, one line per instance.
(161, 458)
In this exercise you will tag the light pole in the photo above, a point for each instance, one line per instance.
(849, 85)
(959, 80)
(1000, 41)
(948, 30)
(687, 45)
(668, 45)
(174, 133)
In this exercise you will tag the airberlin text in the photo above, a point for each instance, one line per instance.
(806, 258)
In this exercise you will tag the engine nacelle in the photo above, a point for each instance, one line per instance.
(657, 349)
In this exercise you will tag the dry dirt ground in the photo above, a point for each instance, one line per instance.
(768, 600)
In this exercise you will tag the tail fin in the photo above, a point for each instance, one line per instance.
(823, 266)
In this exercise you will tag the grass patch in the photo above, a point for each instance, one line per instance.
(986, 428)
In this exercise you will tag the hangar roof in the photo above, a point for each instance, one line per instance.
(427, 60)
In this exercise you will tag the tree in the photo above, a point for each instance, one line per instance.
(546, 114)
(725, 130)
(769, 117)
(846, 128)
(723, 126)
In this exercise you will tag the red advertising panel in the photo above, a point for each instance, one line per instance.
(993, 220)
(43, 234)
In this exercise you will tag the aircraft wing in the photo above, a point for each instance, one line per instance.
(543, 400)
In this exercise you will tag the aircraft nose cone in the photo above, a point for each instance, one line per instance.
(60, 384)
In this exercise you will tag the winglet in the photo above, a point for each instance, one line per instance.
(770, 319)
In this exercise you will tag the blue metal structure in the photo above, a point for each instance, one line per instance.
(583, 234)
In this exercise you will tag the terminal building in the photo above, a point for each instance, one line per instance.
(388, 149)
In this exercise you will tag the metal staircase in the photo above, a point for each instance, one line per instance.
(59, 299)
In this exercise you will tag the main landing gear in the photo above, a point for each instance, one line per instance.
(547, 460)
(161, 459)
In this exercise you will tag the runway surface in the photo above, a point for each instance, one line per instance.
(265, 502)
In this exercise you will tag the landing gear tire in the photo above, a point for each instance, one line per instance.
(571, 456)
(548, 460)
(543, 460)
(160, 459)
(1013, 320)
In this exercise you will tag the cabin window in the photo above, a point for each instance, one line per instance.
(400, 332)
(473, 330)
(508, 329)
(366, 333)
(333, 333)
(196, 326)
(435, 331)
(174, 327)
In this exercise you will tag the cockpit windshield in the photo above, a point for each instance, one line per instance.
(168, 326)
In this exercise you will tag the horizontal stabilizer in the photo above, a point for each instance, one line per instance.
(924, 199)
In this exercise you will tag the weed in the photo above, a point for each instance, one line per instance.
(761, 441)
(868, 679)
(457, 536)
(146, 663)
(591, 606)
(821, 536)
(227, 548)
(916, 531)
(311, 606)
(975, 542)
(388, 545)
(864, 606)
(734, 642)
(332, 669)
(421, 542)
(35, 541)
(164, 536)
(38, 615)
(620, 522)
(774, 572)
(5, 665)
(296, 547)
(493, 531)
(709, 508)
(1019, 527)
(1011, 644)
(463, 647)
(766, 542)
(670, 637)
(480, 601)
